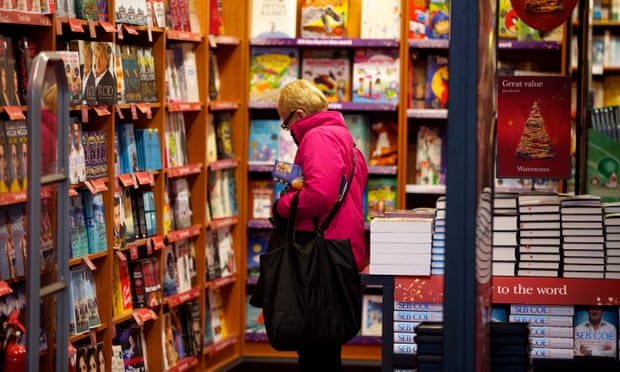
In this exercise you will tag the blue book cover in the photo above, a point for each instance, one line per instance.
(153, 146)
(257, 245)
(263, 141)
(596, 331)
(95, 222)
(77, 227)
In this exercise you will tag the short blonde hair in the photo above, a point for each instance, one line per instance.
(301, 95)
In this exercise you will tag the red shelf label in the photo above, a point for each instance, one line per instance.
(4, 288)
(189, 232)
(145, 108)
(130, 29)
(76, 25)
(107, 26)
(99, 185)
(158, 242)
(14, 112)
(182, 297)
(102, 110)
(224, 164)
(555, 291)
(183, 106)
(184, 35)
(145, 178)
(126, 179)
(143, 315)
(184, 170)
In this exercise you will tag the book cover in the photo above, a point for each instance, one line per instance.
(328, 70)
(121, 288)
(48, 254)
(381, 196)
(77, 153)
(372, 315)
(261, 198)
(94, 320)
(226, 252)
(16, 227)
(25, 52)
(375, 75)
(508, 24)
(380, 19)
(263, 141)
(437, 76)
(77, 227)
(152, 284)
(130, 338)
(438, 25)
(429, 156)
(326, 19)
(141, 68)
(181, 207)
(383, 143)
(72, 72)
(596, 331)
(14, 174)
(273, 18)
(211, 142)
(80, 300)
(104, 73)
(533, 135)
(359, 127)
(182, 254)
(257, 245)
(212, 257)
(224, 135)
(95, 222)
(602, 167)
(271, 68)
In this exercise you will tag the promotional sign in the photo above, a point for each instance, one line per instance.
(533, 126)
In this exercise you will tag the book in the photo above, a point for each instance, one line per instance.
(429, 170)
(372, 315)
(257, 245)
(77, 227)
(182, 255)
(273, 19)
(130, 338)
(436, 95)
(375, 75)
(359, 127)
(79, 298)
(271, 68)
(121, 288)
(224, 135)
(260, 198)
(212, 257)
(181, 207)
(263, 141)
(383, 143)
(328, 70)
(380, 20)
(596, 331)
(328, 19)
(71, 60)
(104, 73)
(381, 196)
(223, 239)
(95, 222)
(438, 25)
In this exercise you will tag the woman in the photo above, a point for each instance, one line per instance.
(325, 155)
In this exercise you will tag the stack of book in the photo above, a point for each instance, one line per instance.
(438, 247)
(429, 338)
(550, 341)
(400, 245)
(509, 347)
(505, 232)
(541, 340)
(582, 237)
(611, 218)
(407, 317)
(539, 234)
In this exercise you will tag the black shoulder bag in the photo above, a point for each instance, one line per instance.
(312, 291)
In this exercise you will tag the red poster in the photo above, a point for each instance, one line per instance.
(533, 126)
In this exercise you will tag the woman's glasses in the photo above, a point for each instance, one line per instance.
(284, 123)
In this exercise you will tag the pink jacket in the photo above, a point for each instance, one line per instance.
(325, 155)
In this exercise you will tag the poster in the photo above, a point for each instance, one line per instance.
(533, 126)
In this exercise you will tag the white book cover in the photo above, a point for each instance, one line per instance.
(380, 19)
(273, 19)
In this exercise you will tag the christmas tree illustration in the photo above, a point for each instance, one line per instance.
(535, 142)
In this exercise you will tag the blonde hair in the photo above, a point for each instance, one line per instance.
(301, 95)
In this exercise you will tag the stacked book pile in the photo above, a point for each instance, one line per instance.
(401, 245)
(611, 218)
(550, 328)
(429, 338)
(505, 232)
(438, 247)
(582, 237)
(407, 316)
(510, 347)
(539, 234)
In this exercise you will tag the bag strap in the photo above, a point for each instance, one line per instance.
(344, 187)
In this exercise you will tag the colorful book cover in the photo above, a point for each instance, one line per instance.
(16, 244)
(418, 19)
(508, 24)
(121, 288)
(77, 227)
(254, 318)
(15, 177)
(381, 196)
(273, 19)
(602, 166)
(104, 73)
(94, 320)
(77, 153)
(271, 68)
(372, 315)
(80, 300)
(212, 257)
(417, 79)
(596, 331)
(359, 127)
(95, 222)
(263, 141)
(224, 135)
(328, 70)
(380, 19)
(429, 156)
(383, 143)
(436, 93)
(182, 255)
(72, 72)
(438, 26)
(325, 19)
(257, 245)
(225, 250)
(534, 123)
(260, 198)
(130, 338)
(376, 76)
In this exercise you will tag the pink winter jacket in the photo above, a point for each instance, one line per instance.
(325, 154)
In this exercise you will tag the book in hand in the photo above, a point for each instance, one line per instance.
(289, 174)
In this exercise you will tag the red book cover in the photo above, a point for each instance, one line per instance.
(533, 126)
